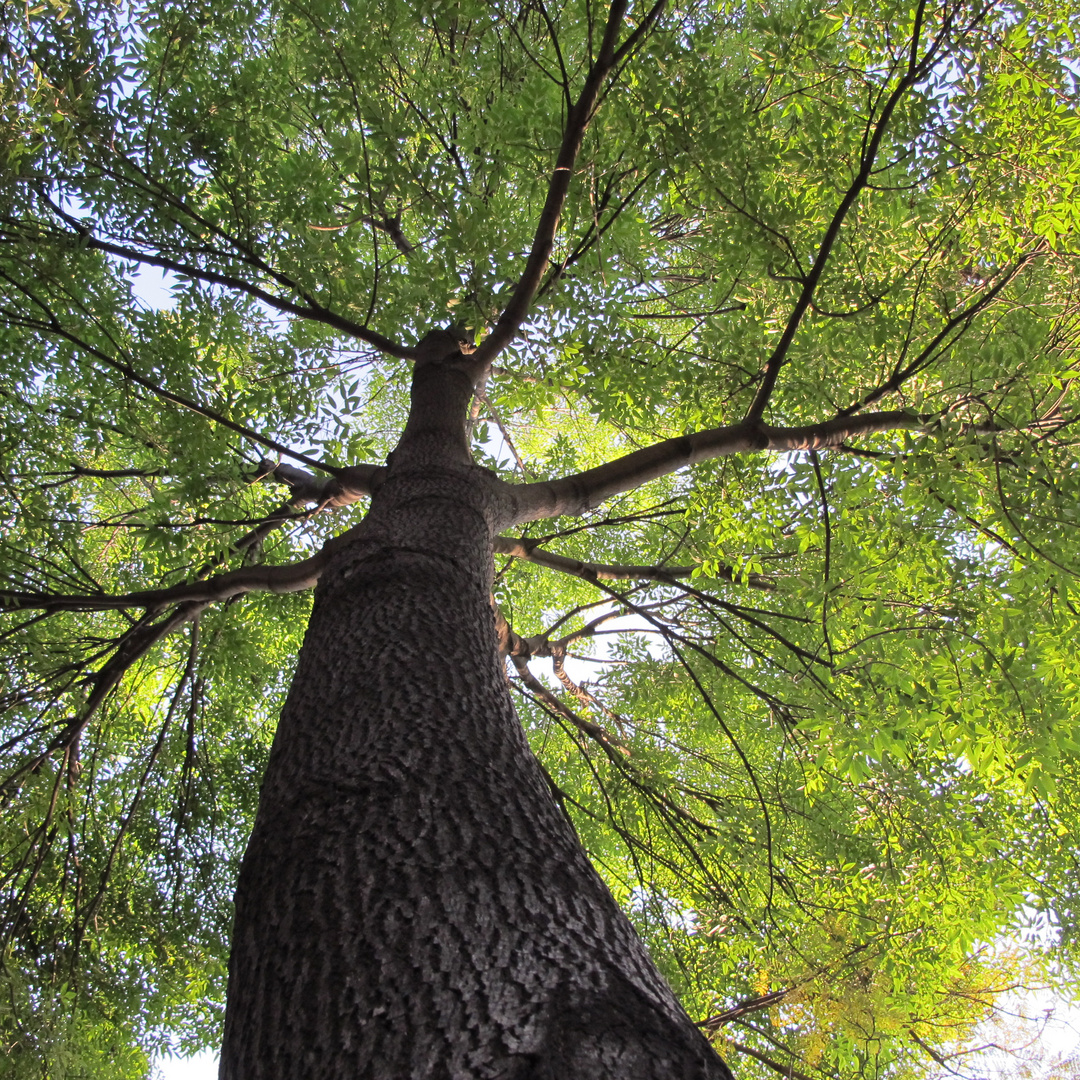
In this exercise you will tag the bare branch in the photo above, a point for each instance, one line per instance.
(575, 495)
(128, 816)
(191, 600)
(347, 487)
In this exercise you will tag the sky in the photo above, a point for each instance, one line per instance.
(200, 1067)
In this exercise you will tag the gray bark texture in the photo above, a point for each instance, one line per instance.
(413, 903)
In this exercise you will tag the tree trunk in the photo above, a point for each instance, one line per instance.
(413, 902)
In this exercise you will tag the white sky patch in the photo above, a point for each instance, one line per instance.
(202, 1066)
(1035, 1036)
(154, 288)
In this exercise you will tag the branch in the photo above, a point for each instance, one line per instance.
(521, 547)
(88, 912)
(192, 599)
(512, 644)
(83, 238)
(313, 310)
(577, 122)
(293, 577)
(135, 644)
(942, 1059)
(520, 651)
(575, 495)
(587, 727)
(346, 486)
(640, 32)
(915, 70)
(593, 235)
(52, 324)
(783, 1070)
(956, 325)
(78, 470)
(748, 1005)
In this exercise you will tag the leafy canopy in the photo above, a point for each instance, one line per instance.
(810, 707)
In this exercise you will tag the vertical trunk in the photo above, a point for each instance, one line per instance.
(413, 904)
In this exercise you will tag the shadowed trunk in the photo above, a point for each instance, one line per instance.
(413, 902)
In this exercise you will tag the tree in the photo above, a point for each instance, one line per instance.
(753, 326)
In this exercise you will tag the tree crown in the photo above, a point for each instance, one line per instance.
(772, 313)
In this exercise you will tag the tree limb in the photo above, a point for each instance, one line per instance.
(757, 1055)
(52, 324)
(521, 547)
(83, 237)
(594, 731)
(351, 484)
(748, 1005)
(577, 122)
(313, 310)
(575, 495)
(915, 70)
(346, 486)
(954, 327)
(295, 577)
(134, 645)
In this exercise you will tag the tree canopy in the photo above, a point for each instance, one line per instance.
(782, 305)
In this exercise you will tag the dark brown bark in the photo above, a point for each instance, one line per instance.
(413, 903)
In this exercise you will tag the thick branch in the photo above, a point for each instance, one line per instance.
(294, 577)
(190, 600)
(577, 122)
(139, 641)
(346, 486)
(575, 495)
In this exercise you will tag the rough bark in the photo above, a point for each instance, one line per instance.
(414, 903)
